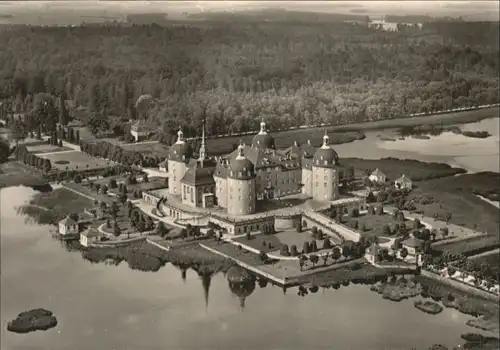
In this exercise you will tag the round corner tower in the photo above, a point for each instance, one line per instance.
(325, 177)
(178, 157)
(241, 185)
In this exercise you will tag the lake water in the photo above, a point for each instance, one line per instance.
(114, 307)
(472, 154)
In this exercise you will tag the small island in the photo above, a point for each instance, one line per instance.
(477, 134)
(32, 320)
(428, 307)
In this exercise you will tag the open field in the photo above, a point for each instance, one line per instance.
(147, 149)
(492, 260)
(471, 247)
(393, 168)
(85, 190)
(373, 224)
(455, 195)
(75, 160)
(449, 118)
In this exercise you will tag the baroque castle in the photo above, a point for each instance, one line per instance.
(252, 173)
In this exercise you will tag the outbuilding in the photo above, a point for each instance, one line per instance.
(68, 226)
(89, 236)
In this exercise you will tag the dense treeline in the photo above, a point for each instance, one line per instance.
(234, 74)
(31, 159)
(117, 154)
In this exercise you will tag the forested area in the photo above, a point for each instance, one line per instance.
(234, 74)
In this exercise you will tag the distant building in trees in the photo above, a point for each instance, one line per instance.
(377, 176)
(140, 131)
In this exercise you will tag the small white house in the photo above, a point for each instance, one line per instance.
(163, 166)
(403, 183)
(68, 226)
(140, 131)
(89, 236)
(372, 253)
(377, 176)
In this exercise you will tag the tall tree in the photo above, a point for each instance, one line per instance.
(63, 111)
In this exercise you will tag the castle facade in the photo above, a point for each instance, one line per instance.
(252, 173)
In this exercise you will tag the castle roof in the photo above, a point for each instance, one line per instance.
(404, 179)
(240, 166)
(180, 151)
(412, 242)
(199, 173)
(325, 156)
(140, 126)
(260, 159)
(377, 173)
(67, 221)
(90, 233)
(263, 140)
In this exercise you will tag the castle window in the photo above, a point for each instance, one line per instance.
(316, 184)
(325, 184)
(326, 162)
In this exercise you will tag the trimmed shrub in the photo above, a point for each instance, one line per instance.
(314, 246)
(306, 248)
(293, 250)
(327, 244)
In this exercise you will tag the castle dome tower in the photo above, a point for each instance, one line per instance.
(325, 177)
(178, 157)
(263, 140)
(241, 185)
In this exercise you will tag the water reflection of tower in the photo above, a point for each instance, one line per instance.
(241, 283)
(206, 280)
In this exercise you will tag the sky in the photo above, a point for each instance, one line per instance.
(437, 8)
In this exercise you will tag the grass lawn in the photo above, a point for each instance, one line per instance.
(50, 207)
(452, 195)
(150, 149)
(152, 184)
(14, 173)
(86, 191)
(375, 223)
(492, 260)
(472, 246)
(45, 148)
(62, 200)
(75, 160)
